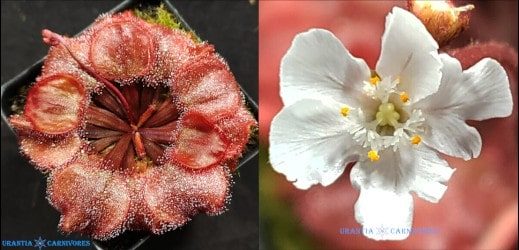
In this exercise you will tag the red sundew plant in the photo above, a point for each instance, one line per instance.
(139, 125)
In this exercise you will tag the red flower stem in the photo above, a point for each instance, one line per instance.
(139, 146)
(55, 39)
(147, 114)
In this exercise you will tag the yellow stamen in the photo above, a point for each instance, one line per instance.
(404, 97)
(373, 155)
(345, 111)
(397, 80)
(416, 139)
(374, 80)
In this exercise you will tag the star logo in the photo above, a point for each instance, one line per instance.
(382, 230)
(39, 243)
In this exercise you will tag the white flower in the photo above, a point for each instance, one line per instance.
(392, 121)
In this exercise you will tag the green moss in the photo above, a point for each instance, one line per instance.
(160, 15)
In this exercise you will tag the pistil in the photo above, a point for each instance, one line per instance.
(387, 115)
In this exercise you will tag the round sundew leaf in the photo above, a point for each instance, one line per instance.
(199, 143)
(172, 194)
(114, 205)
(122, 51)
(48, 154)
(74, 189)
(165, 209)
(54, 104)
(207, 86)
(173, 51)
(237, 129)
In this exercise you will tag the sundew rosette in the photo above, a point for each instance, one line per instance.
(139, 126)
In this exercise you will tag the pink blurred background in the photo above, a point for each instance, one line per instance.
(479, 209)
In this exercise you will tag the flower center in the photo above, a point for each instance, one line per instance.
(392, 123)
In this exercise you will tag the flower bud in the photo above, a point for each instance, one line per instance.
(441, 18)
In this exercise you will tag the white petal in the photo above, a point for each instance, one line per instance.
(447, 94)
(318, 66)
(478, 93)
(450, 135)
(385, 207)
(431, 172)
(309, 143)
(393, 171)
(409, 52)
(385, 202)
(384, 215)
(487, 91)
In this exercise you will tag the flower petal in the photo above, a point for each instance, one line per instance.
(309, 143)
(409, 52)
(452, 136)
(478, 93)
(318, 66)
(384, 215)
(431, 172)
(481, 92)
(385, 206)
(394, 171)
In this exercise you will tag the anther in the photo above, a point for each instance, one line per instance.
(404, 97)
(373, 155)
(345, 111)
(416, 139)
(374, 80)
